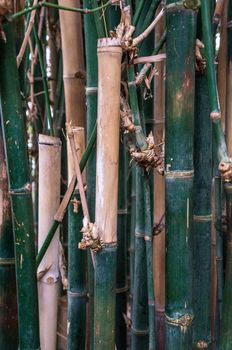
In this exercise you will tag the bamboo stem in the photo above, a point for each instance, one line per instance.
(49, 197)
(109, 65)
(20, 191)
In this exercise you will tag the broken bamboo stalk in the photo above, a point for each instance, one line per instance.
(49, 198)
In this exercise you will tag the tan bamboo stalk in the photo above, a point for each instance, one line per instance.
(222, 64)
(52, 17)
(73, 67)
(73, 63)
(159, 198)
(109, 75)
(48, 270)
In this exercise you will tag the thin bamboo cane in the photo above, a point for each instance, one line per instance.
(109, 66)
(121, 271)
(77, 292)
(14, 138)
(222, 64)
(91, 115)
(202, 219)
(8, 314)
(49, 198)
(179, 175)
(159, 200)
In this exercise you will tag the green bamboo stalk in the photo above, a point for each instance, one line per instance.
(121, 269)
(77, 293)
(202, 219)
(219, 138)
(91, 117)
(14, 138)
(101, 33)
(139, 330)
(180, 83)
(8, 315)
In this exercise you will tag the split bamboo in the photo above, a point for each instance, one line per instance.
(109, 75)
(8, 314)
(48, 270)
(180, 84)
(20, 192)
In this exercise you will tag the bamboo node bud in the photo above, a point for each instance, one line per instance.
(126, 116)
(192, 4)
(215, 115)
(151, 157)
(225, 170)
(183, 322)
(202, 344)
(91, 237)
(200, 61)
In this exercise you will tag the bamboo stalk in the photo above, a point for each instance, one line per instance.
(49, 198)
(229, 84)
(8, 315)
(73, 64)
(20, 191)
(109, 65)
(91, 116)
(77, 292)
(202, 219)
(159, 199)
(179, 175)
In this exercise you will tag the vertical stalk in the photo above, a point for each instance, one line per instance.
(180, 47)
(202, 219)
(91, 116)
(8, 314)
(121, 270)
(48, 270)
(20, 191)
(109, 66)
(77, 293)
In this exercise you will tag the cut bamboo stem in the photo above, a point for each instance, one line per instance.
(49, 198)
(109, 73)
(20, 191)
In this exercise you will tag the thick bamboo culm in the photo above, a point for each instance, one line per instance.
(109, 77)
(20, 192)
(48, 270)
(159, 199)
(8, 314)
(180, 84)
(77, 293)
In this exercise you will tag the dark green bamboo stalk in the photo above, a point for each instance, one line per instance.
(77, 293)
(202, 219)
(8, 314)
(101, 33)
(180, 87)
(15, 143)
(139, 330)
(121, 269)
(91, 117)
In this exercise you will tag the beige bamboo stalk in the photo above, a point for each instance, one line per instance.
(48, 270)
(79, 139)
(73, 67)
(222, 63)
(109, 72)
(159, 189)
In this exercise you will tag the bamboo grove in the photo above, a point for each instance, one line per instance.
(115, 174)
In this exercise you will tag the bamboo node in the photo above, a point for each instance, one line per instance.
(215, 115)
(225, 170)
(91, 237)
(152, 157)
(192, 4)
(202, 344)
(200, 60)
(183, 322)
